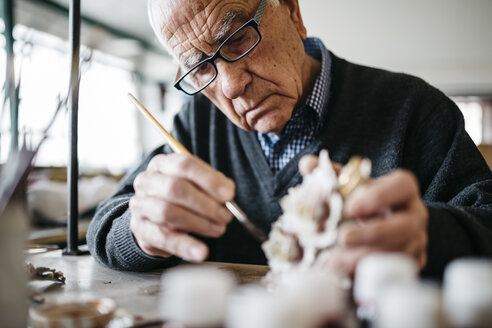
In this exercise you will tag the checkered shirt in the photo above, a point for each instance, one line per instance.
(306, 122)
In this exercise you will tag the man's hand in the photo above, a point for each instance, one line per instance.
(177, 195)
(391, 217)
(388, 215)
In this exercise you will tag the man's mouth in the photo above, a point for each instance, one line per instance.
(256, 107)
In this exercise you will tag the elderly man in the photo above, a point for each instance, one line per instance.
(266, 96)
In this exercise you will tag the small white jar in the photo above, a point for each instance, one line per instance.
(195, 296)
(378, 271)
(468, 293)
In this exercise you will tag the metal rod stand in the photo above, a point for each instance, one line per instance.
(73, 165)
(10, 90)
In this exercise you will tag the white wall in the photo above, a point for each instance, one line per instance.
(446, 42)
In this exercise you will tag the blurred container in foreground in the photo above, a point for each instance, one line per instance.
(13, 276)
(195, 296)
(317, 297)
(410, 305)
(303, 300)
(468, 293)
(253, 306)
(376, 272)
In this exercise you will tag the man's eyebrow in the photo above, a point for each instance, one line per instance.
(230, 18)
(190, 61)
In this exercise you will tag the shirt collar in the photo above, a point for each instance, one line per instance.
(307, 120)
(318, 98)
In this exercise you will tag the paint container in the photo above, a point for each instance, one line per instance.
(468, 293)
(373, 274)
(195, 296)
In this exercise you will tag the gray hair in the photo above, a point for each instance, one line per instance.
(152, 7)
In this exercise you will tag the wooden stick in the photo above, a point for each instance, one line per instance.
(177, 147)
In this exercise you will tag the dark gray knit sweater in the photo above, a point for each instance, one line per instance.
(394, 119)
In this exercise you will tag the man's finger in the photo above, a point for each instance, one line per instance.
(417, 249)
(392, 190)
(345, 260)
(151, 236)
(152, 251)
(194, 169)
(138, 228)
(389, 232)
(174, 217)
(307, 164)
(181, 192)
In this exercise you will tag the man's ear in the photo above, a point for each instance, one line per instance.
(295, 14)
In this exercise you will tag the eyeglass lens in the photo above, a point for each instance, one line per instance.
(236, 46)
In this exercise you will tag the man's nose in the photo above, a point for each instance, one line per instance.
(234, 78)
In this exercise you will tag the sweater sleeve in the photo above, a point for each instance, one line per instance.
(457, 189)
(109, 237)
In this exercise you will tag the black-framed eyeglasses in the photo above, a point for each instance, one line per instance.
(240, 43)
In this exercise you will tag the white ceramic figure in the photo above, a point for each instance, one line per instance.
(304, 235)
(282, 249)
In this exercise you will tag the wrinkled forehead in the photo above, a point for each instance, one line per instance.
(192, 29)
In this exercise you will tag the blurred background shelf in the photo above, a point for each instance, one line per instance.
(56, 235)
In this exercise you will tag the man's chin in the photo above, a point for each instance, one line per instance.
(264, 121)
(267, 125)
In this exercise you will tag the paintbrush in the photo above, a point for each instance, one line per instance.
(177, 147)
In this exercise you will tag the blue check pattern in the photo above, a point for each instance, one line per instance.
(306, 122)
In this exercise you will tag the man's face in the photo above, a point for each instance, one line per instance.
(260, 91)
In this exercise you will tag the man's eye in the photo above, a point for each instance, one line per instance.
(203, 69)
(237, 38)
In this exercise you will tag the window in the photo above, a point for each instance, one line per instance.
(108, 138)
(473, 114)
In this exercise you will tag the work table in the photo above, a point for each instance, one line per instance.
(136, 294)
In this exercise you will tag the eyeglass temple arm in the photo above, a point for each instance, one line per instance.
(261, 10)
(178, 74)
